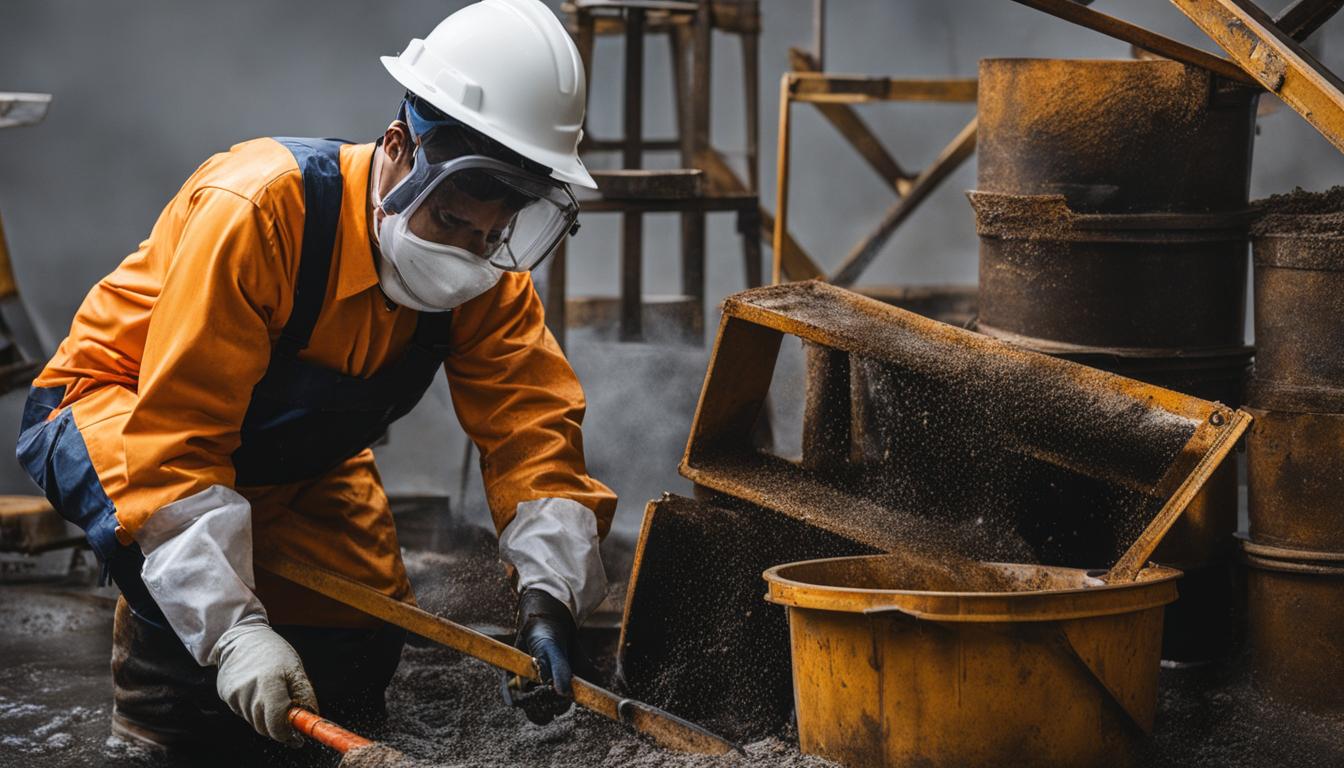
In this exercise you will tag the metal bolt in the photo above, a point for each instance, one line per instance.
(1216, 419)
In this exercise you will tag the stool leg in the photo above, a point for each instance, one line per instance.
(693, 223)
(749, 227)
(751, 76)
(632, 277)
(693, 271)
(700, 78)
(678, 41)
(584, 41)
(632, 225)
(555, 293)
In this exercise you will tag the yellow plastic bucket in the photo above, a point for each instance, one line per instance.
(899, 662)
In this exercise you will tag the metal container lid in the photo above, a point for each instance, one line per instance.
(17, 109)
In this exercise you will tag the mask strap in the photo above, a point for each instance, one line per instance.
(376, 193)
(420, 125)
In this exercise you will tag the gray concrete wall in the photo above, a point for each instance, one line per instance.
(146, 89)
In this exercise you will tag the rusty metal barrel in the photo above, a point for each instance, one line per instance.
(1111, 205)
(899, 661)
(1155, 284)
(1115, 136)
(1295, 479)
(1295, 452)
(1112, 209)
(1295, 609)
(1299, 299)
(1294, 471)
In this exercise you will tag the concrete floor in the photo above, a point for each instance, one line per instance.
(55, 697)
(55, 688)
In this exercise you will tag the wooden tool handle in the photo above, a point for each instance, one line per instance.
(664, 728)
(325, 732)
(408, 617)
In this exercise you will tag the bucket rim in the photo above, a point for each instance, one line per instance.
(1158, 588)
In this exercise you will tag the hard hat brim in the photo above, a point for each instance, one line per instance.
(566, 167)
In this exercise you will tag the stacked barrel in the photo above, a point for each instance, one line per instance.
(1295, 452)
(1111, 206)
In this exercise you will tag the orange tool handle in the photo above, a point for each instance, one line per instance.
(325, 732)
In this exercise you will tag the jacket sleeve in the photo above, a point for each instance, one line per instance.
(520, 402)
(207, 345)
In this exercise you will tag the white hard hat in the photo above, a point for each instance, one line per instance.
(507, 69)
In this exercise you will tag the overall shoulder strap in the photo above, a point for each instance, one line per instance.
(433, 330)
(319, 162)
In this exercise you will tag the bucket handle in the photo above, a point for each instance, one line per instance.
(915, 613)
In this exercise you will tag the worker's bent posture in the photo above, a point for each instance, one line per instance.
(220, 389)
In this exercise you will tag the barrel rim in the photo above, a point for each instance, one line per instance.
(1023, 216)
(1234, 354)
(1156, 590)
(1270, 396)
(1261, 553)
(1153, 63)
(1290, 566)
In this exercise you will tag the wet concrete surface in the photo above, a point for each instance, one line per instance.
(55, 679)
(55, 700)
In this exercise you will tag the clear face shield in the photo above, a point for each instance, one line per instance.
(505, 215)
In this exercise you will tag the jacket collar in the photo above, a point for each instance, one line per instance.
(356, 270)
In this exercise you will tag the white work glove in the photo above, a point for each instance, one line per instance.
(198, 567)
(260, 678)
(553, 545)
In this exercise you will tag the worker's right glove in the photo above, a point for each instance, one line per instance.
(552, 544)
(260, 678)
(546, 632)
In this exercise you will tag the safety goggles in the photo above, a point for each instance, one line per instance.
(507, 215)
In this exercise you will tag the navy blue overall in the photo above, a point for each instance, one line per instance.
(303, 420)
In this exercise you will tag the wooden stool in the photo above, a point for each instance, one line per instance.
(689, 26)
(30, 526)
(634, 193)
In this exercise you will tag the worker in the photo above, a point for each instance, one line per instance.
(219, 390)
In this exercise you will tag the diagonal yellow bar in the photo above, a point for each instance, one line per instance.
(1080, 14)
(1273, 58)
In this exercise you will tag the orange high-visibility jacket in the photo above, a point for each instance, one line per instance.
(162, 357)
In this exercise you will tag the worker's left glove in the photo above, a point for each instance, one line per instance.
(198, 568)
(546, 632)
(260, 678)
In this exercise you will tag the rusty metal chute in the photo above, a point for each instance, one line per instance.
(696, 635)
(1000, 453)
(969, 405)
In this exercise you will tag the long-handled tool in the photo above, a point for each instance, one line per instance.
(666, 730)
(324, 731)
(355, 749)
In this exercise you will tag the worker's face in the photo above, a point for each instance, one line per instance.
(449, 216)
(452, 217)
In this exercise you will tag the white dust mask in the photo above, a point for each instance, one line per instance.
(426, 276)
